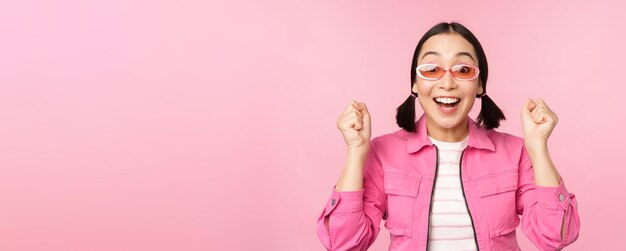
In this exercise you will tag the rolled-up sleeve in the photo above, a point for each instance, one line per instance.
(545, 209)
(350, 220)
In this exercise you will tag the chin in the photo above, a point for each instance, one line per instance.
(448, 122)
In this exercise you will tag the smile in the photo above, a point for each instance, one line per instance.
(447, 105)
(447, 101)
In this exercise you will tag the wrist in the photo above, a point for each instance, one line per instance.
(537, 150)
(358, 150)
(535, 144)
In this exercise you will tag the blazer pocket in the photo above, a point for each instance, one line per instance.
(401, 191)
(498, 183)
(498, 193)
(500, 232)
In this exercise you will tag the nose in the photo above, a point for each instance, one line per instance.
(447, 81)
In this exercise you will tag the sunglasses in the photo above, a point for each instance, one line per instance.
(459, 72)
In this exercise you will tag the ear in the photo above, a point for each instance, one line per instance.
(414, 88)
(480, 87)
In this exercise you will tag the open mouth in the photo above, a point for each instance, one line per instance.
(447, 102)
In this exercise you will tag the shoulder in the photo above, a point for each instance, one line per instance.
(392, 143)
(503, 138)
(398, 137)
(506, 144)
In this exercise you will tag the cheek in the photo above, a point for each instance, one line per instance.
(479, 87)
(424, 102)
(470, 102)
(473, 90)
(422, 88)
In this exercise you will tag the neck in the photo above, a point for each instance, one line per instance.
(454, 134)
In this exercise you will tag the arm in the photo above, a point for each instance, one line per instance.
(356, 212)
(549, 212)
(545, 172)
(351, 179)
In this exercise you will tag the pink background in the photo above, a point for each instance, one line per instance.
(187, 125)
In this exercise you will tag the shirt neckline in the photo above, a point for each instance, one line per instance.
(450, 145)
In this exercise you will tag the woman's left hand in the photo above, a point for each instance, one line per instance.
(538, 121)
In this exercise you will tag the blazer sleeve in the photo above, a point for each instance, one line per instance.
(545, 209)
(355, 215)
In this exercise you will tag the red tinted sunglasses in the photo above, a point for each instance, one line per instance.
(459, 72)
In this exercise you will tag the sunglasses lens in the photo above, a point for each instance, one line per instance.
(431, 71)
(464, 72)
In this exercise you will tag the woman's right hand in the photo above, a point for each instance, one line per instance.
(355, 125)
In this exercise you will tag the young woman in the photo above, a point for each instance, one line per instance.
(445, 181)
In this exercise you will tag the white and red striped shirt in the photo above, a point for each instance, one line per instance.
(450, 223)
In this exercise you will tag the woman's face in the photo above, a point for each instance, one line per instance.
(447, 50)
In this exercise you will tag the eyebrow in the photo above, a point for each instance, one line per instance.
(458, 54)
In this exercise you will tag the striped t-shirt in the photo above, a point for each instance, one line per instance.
(450, 223)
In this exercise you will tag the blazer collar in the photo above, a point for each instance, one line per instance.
(478, 137)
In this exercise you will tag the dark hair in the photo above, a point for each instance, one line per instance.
(490, 115)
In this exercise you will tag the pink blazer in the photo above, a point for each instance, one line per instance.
(497, 180)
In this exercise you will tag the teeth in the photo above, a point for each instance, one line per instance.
(447, 100)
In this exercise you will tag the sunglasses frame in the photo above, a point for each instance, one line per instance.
(444, 73)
